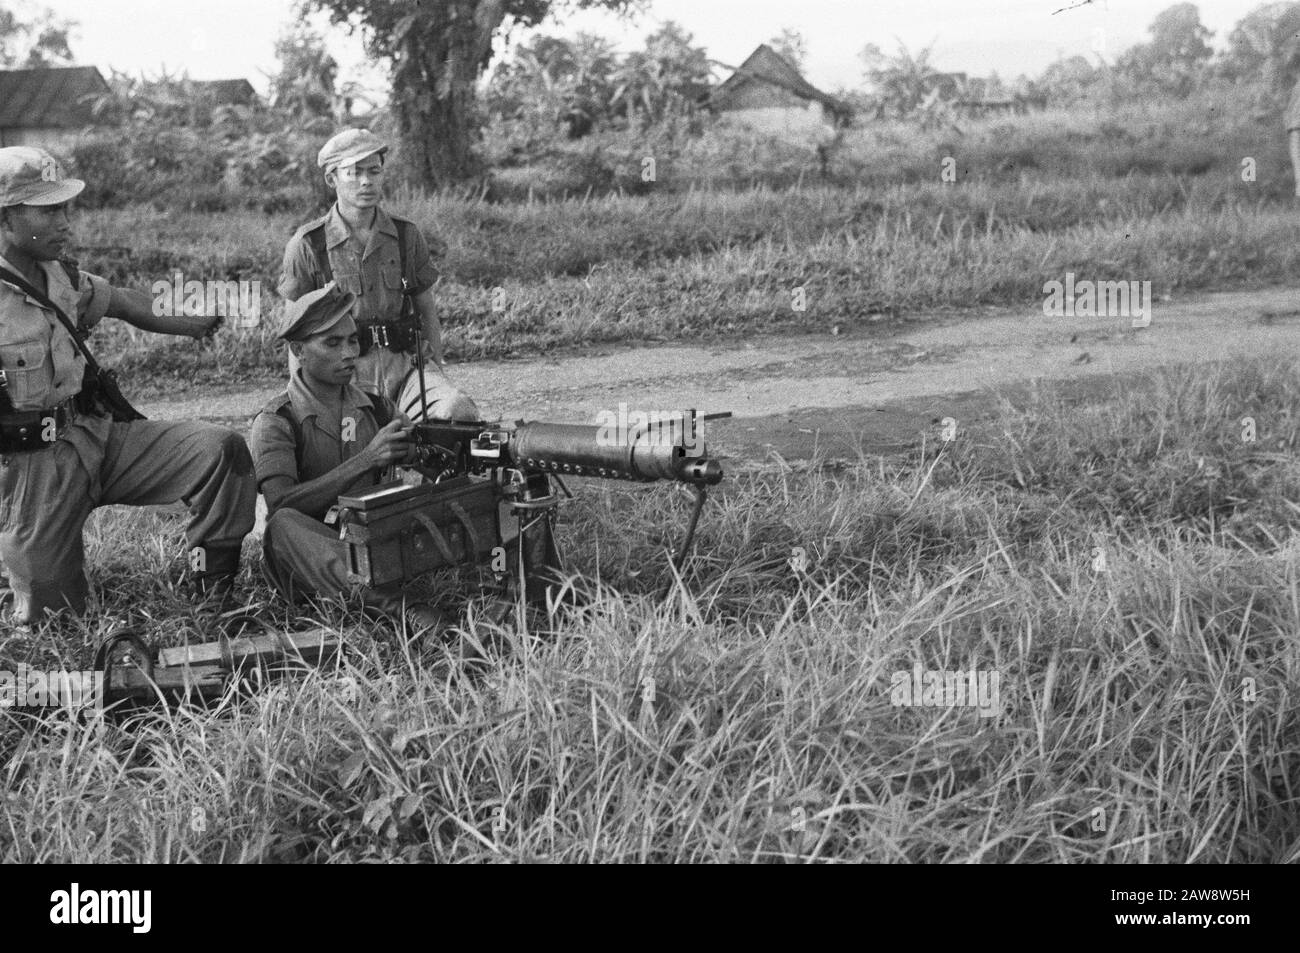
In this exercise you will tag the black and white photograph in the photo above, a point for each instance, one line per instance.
(651, 432)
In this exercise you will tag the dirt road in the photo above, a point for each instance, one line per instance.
(860, 389)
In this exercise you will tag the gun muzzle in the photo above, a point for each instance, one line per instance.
(703, 472)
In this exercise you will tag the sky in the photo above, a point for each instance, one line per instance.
(221, 39)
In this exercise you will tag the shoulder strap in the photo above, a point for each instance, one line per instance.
(283, 408)
(316, 240)
(401, 248)
(382, 410)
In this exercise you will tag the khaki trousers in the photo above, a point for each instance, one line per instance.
(47, 495)
(304, 557)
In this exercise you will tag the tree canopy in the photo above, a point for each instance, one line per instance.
(31, 44)
(437, 50)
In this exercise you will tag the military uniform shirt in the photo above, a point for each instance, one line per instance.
(40, 360)
(275, 453)
(373, 273)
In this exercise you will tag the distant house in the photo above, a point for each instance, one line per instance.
(225, 92)
(47, 107)
(767, 92)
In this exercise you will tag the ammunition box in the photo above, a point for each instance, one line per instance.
(396, 532)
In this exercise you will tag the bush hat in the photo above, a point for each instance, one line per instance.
(31, 176)
(316, 312)
(348, 147)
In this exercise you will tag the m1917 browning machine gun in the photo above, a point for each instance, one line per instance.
(476, 470)
(479, 471)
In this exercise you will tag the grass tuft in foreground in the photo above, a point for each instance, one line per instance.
(1126, 568)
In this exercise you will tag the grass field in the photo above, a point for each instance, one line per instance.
(1125, 567)
(1145, 192)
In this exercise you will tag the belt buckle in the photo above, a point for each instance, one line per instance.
(375, 340)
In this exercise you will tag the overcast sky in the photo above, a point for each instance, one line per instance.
(232, 38)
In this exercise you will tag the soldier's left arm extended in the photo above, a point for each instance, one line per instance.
(137, 309)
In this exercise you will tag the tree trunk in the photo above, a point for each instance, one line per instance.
(438, 64)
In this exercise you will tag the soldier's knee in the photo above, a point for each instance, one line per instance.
(277, 522)
(284, 524)
(234, 450)
(227, 450)
(458, 406)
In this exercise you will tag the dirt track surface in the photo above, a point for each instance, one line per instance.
(873, 391)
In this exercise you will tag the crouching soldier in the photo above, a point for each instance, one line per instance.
(384, 261)
(62, 453)
(322, 438)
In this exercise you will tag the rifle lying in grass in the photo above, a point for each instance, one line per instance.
(133, 673)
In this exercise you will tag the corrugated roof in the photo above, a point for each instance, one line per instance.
(48, 97)
(767, 65)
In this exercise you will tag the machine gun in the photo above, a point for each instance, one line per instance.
(477, 472)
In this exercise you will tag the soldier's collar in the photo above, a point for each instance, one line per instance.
(337, 231)
(307, 404)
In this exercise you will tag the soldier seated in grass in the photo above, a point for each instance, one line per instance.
(325, 437)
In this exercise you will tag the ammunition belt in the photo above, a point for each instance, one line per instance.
(396, 335)
(24, 430)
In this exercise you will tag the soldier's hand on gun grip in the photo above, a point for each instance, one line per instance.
(412, 454)
(391, 445)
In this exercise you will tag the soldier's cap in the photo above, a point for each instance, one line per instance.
(31, 176)
(316, 312)
(348, 147)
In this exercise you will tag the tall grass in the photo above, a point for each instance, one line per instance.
(1127, 568)
(645, 268)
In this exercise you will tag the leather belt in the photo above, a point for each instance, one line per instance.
(25, 430)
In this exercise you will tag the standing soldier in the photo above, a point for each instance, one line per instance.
(62, 453)
(381, 259)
